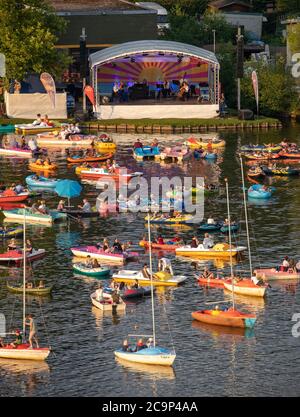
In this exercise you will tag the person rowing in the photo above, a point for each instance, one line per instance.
(207, 274)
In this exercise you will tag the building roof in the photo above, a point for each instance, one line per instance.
(133, 48)
(220, 4)
(93, 5)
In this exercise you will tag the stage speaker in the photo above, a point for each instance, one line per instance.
(246, 114)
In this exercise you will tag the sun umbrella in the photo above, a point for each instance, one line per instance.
(68, 189)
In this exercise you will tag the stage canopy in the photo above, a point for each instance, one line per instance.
(145, 65)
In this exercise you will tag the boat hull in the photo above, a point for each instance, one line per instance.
(13, 198)
(129, 277)
(108, 307)
(271, 274)
(240, 320)
(252, 291)
(16, 152)
(35, 354)
(145, 244)
(164, 358)
(32, 291)
(91, 272)
(96, 254)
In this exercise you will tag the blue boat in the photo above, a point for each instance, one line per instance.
(146, 152)
(211, 155)
(205, 227)
(150, 356)
(41, 182)
(257, 191)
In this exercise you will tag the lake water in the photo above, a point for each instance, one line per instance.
(210, 360)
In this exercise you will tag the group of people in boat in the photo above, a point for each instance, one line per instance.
(164, 265)
(139, 144)
(13, 190)
(140, 344)
(13, 245)
(19, 337)
(161, 241)
(208, 242)
(107, 297)
(39, 208)
(42, 121)
(69, 130)
(117, 247)
(289, 264)
(44, 162)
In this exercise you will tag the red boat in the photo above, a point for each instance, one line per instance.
(90, 159)
(212, 282)
(166, 246)
(16, 256)
(11, 197)
(290, 155)
(230, 317)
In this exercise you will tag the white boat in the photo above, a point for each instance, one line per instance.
(74, 141)
(159, 279)
(22, 153)
(24, 351)
(219, 250)
(150, 354)
(106, 305)
(249, 290)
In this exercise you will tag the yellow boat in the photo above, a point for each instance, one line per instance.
(105, 144)
(159, 279)
(220, 250)
(194, 143)
(183, 219)
(27, 130)
(45, 167)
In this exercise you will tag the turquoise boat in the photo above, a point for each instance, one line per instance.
(17, 215)
(41, 182)
(146, 152)
(7, 128)
(91, 272)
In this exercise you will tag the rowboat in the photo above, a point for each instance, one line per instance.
(7, 128)
(91, 272)
(17, 256)
(11, 232)
(79, 213)
(233, 228)
(183, 219)
(166, 246)
(208, 227)
(18, 214)
(13, 198)
(230, 317)
(21, 153)
(30, 129)
(272, 274)
(108, 305)
(34, 291)
(42, 167)
(146, 152)
(194, 143)
(77, 141)
(98, 158)
(105, 144)
(95, 253)
(220, 250)
(160, 279)
(41, 182)
(246, 287)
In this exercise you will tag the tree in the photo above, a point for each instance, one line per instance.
(294, 37)
(277, 94)
(288, 6)
(227, 60)
(29, 30)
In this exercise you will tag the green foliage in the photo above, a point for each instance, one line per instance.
(288, 6)
(28, 33)
(277, 93)
(294, 37)
(188, 29)
(226, 55)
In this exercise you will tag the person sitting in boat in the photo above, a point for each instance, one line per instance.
(38, 120)
(194, 242)
(89, 262)
(86, 207)
(29, 247)
(18, 189)
(150, 342)
(105, 245)
(34, 208)
(63, 133)
(12, 244)
(42, 208)
(211, 220)
(146, 272)
(117, 247)
(39, 162)
(137, 144)
(122, 286)
(155, 144)
(41, 284)
(285, 264)
(95, 263)
(61, 205)
(160, 240)
(99, 293)
(140, 345)
(208, 241)
(136, 284)
(1, 343)
(125, 346)
(23, 144)
(207, 274)
(29, 285)
(46, 122)
(77, 128)
(18, 341)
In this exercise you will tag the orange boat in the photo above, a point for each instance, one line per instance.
(212, 282)
(290, 155)
(145, 244)
(263, 157)
(246, 287)
(230, 317)
(90, 159)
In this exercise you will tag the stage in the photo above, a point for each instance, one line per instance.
(155, 79)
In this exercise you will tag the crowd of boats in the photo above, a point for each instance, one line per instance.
(100, 260)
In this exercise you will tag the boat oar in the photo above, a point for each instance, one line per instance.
(217, 302)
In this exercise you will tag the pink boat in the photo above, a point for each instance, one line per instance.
(16, 256)
(175, 153)
(271, 274)
(94, 252)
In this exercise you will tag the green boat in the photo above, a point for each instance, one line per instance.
(7, 128)
(91, 272)
(18, 288)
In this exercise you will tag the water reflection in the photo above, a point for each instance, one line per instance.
(156, 372)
